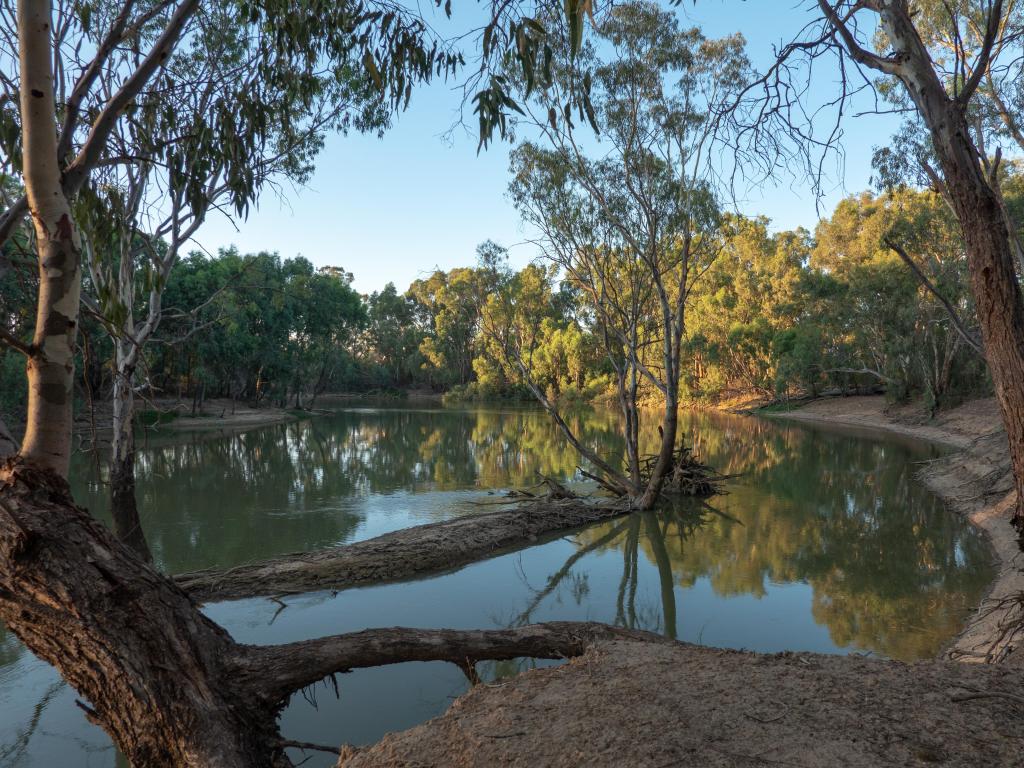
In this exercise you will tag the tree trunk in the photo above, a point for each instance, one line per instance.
(669, 427)
(50, 367)
(157, 673)
(1000, 310)
(123, 506)
(993, 275)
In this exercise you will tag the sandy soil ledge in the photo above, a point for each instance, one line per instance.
(659, 704)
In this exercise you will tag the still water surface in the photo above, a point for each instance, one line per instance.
(825, 543)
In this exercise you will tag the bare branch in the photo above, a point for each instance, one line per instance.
(954, 316)
(992, 26)
(280, 670)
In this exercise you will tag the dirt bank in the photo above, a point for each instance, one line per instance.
(650, 705)
(974, 481)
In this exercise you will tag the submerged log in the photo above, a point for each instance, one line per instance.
(417, 551)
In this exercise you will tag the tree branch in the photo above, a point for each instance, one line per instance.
(12, 217)
(954, 316)
(857, 52)
(984, 56)
(96, 141)
(9, 339)
(280, 670)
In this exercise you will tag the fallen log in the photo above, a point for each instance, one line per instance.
(418, 551)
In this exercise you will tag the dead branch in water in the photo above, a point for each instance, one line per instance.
(687, 476)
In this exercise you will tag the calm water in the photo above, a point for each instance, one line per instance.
(824, 544)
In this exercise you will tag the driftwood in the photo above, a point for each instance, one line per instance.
(416, 551)
(687, 476)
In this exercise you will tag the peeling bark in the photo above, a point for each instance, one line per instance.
(416, 551)
(50, 367)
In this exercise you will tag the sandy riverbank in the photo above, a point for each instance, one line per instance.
(674, 704)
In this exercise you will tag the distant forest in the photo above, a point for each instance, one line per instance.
(777, 314)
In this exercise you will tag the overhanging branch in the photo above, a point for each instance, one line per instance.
(954, 316)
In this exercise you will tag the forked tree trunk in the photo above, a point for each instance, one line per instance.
(50, 367)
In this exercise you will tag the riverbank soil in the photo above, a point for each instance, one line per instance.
(650, 705)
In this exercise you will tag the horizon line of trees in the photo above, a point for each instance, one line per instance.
(777, 314)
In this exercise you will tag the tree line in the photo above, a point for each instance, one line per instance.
(777, 314)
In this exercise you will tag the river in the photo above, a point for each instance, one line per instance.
(824, 543)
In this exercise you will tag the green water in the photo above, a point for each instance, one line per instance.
(825, 543)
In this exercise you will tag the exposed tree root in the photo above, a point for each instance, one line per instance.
(686, 476)
(171, 687)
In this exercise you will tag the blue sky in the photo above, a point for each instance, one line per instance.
(393, 209)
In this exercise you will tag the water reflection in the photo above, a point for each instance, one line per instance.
(825, 543)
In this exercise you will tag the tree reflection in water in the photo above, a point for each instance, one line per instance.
(823, 534)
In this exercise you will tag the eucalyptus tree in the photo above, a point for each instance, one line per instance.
(210, 131)
(953, 62)
(631, 219)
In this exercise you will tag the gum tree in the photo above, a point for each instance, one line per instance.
(631, 219)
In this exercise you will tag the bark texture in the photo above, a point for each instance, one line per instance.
(50, 368)
(423, 549)
(156, 672)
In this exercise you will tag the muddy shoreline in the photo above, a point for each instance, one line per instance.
(974, 481)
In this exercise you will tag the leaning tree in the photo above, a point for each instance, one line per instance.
(630, 219)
